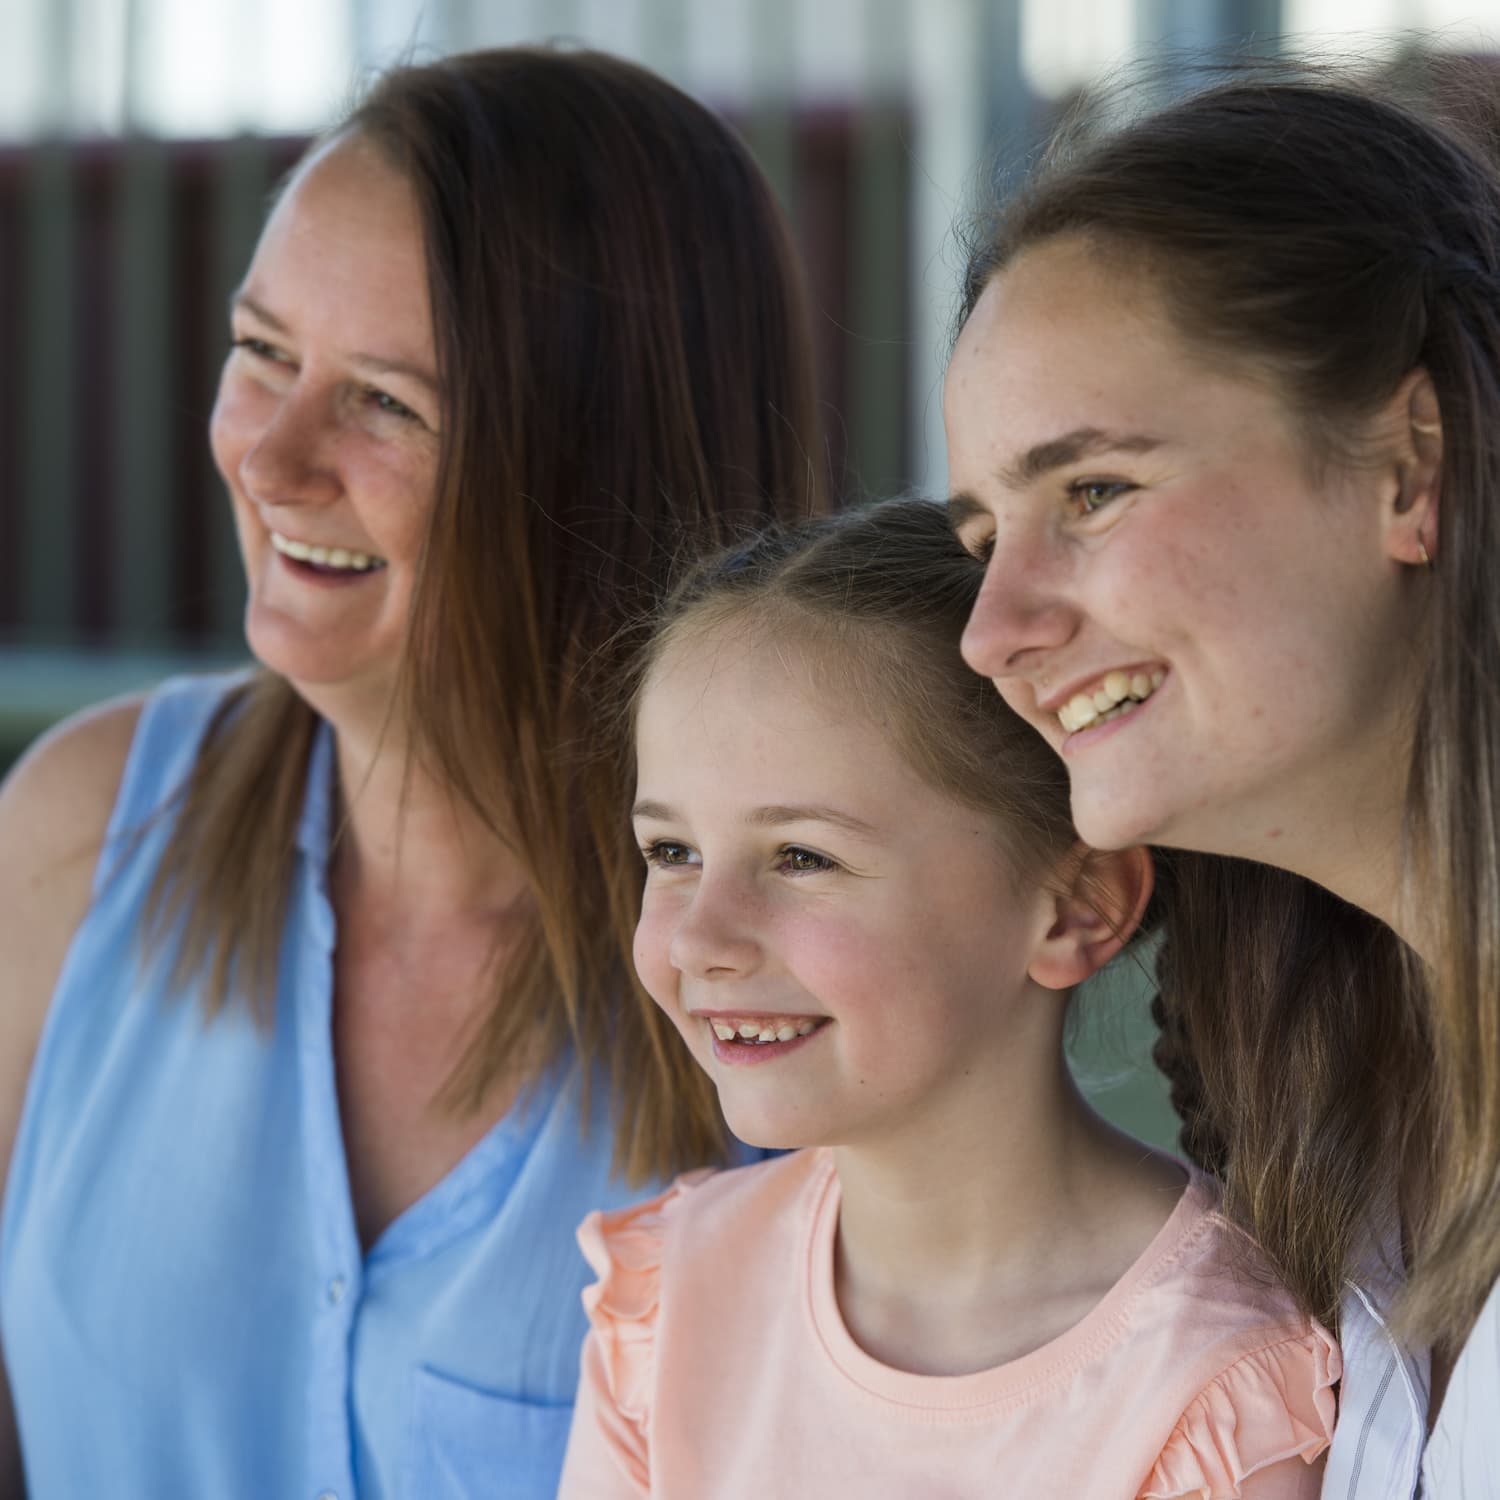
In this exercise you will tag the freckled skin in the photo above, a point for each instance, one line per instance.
(1264, 590)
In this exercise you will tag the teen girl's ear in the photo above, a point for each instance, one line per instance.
(1416, 424)
(1098, 903)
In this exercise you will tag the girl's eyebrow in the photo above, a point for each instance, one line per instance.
(773, 815)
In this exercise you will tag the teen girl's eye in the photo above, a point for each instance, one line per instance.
(1092, 495)
(795, 860)
(667, 854)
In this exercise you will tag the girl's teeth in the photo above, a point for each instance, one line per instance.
(760, 1032)
(1140, 685)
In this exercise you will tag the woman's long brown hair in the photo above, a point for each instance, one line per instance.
(621, 331)
(1308, 230)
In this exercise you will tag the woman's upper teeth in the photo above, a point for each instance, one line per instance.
(1083, 709)
(325, 557)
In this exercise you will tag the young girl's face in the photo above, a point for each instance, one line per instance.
(806, 886)
(1153, 523)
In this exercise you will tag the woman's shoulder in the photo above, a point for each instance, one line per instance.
(55, 809)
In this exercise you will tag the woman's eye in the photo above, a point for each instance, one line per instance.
(797, 861)
(1094, 494)
(667, 852)
(258, 347)
(384, 401)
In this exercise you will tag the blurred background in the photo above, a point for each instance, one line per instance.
(139, 140)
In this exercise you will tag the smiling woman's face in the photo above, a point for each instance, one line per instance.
(327, 420)
(1212, 635)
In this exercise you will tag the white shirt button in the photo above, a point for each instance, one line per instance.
(328, 1495)
(336, 1289)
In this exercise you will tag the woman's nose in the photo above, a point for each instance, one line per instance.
(290, 460)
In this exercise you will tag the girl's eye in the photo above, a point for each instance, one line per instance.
(1094, 494)
(797, 861)
(667, 852)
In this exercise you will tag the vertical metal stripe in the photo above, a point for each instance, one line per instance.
(143, 308)
(771, 127)
(12, 491)
(664, 34)
(48, 585)
(878, 321)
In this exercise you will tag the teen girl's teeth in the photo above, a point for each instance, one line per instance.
(326, 557)
(1117, 694)
(778, 1029)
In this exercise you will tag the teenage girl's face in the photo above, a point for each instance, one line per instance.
(843, 948)
(1213, 637)
(327, 420)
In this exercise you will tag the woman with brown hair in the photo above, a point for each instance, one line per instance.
(1224, 418)
(318, 992)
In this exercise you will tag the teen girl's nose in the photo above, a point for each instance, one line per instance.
(289, 460)
(713, 938)
(1019, 616)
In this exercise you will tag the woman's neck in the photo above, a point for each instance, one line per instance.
(969, 1245)
(408, 845)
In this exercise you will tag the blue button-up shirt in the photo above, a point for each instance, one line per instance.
(185, 1308)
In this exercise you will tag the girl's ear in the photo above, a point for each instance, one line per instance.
(1100, 900)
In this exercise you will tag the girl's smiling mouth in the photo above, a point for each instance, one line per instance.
(743, 1038)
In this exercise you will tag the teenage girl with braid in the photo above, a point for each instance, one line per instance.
(1224, 419)
(864, 908)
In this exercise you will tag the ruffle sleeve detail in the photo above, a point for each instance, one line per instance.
(625, 1248)
(1275, 1404)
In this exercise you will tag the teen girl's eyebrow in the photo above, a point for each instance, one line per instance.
(371, 363)
(773, 816)
(1082, 442)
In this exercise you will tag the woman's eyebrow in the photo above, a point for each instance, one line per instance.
(373, 364)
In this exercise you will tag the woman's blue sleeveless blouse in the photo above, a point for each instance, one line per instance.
(185, 1310)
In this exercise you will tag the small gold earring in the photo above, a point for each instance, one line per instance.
(1422, 553)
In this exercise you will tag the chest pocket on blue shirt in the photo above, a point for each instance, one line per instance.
(471, 1444)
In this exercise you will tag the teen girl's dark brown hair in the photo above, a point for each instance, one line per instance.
(622, 340)
(1306, 231)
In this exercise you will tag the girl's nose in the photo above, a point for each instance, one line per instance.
(716, 937)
